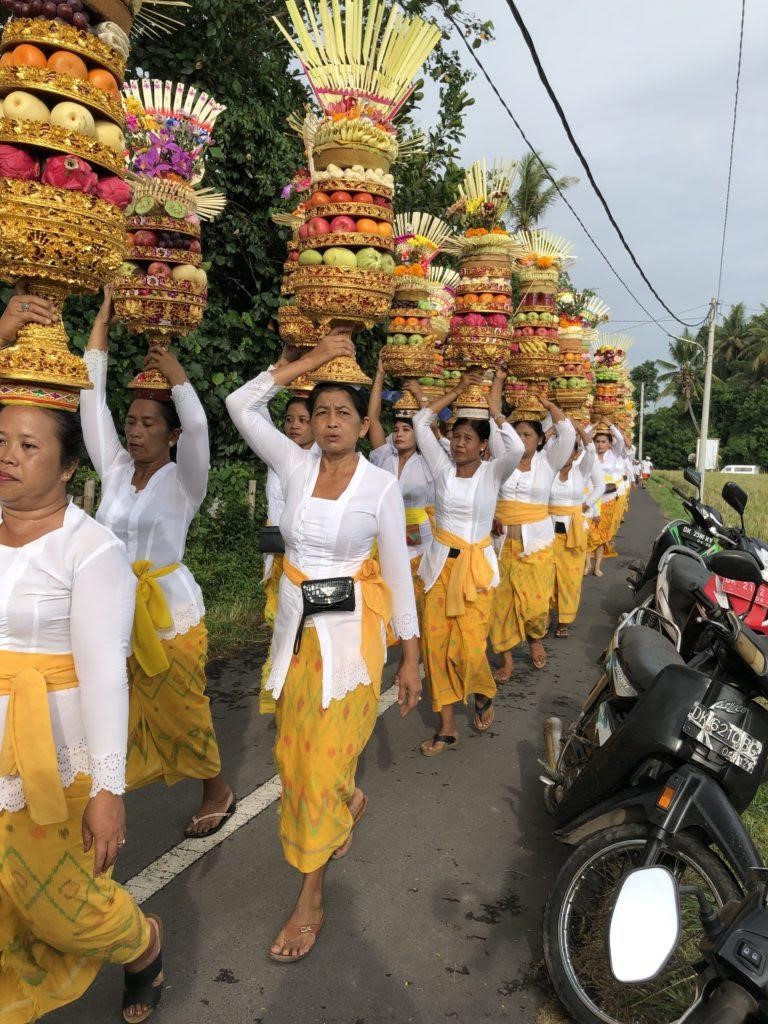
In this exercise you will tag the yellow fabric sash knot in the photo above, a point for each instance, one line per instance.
(416, 516)
(377, 611)
(152, 614)
(576, 536)
(471, 571)
(28, 748)
(431, 514)
(520, 513)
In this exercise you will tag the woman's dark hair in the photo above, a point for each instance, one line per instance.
(535, 426)
(69, 434)
(358, 396)
(298, 400)
(481, 427)
(605, 434)
(404, 419)
(167, 410)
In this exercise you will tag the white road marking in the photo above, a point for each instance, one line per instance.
(165, 869)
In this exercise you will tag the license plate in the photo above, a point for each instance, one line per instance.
(719, 735)
(690, 533)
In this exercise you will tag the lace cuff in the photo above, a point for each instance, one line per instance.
(107, 773)
(183, 393)
(97, 362)
(406, 626)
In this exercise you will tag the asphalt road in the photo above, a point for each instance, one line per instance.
(435, 914)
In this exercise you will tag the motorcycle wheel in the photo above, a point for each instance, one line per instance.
(577, 918)
(646, 591)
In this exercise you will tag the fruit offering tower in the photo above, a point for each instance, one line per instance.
(410, 348)
(443, 298)
(611, 377)
(162, 290)
(579, 314)
(480, 327)
(361, 64)
(534, 351)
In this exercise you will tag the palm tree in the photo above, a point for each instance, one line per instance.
(535, 192)
(732, 338)
(757, 349)
(683, 373)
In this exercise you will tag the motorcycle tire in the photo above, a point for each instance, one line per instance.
(576, 932)
(647, 590)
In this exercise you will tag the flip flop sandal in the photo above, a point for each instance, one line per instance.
(481, 707)
(561, 633)
(501, 679)
(305, 929)
(429, 749)
(540, 662)
(139, 988)
(343, 850)
(212, 832)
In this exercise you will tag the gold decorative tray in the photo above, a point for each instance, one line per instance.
(58, 35)
(59, 140)
(62, 87)
(146, 252)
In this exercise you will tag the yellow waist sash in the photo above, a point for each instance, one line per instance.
(377, 610)
(520, 513)
(152, 614)
(470, 573)
(416, 516)
(28, 748)
(576, 536)
(431, 513)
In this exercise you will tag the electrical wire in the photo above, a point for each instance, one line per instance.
(733, 142)
(583, 160)
(553, 180)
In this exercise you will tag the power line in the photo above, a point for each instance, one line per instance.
(553, 180)
(577, 149)
(733, 142)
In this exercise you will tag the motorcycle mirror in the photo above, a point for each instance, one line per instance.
(693, 478)
(737, 498)
(645, 925)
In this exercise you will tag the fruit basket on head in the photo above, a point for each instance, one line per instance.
(361, 64)
(609, 361)
(162, 288)
(579, 312)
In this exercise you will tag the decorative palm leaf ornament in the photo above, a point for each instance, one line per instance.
(155, 17)
(484, 196)
(544, 250)
(419, 237)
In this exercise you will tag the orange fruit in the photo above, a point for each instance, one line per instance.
(28, 56)
(384, 228)
(104, 80)
(65, 63)
(398, 321)
(412, 321)
(7, 59)
(470, 299)
(486, 299)
(367, 226)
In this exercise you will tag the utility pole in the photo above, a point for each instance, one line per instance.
(704, 434)
(642, 420)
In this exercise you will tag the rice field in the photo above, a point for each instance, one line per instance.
(756, 516)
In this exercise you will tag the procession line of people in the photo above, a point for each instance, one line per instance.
(103, 642)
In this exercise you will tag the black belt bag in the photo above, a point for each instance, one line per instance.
(318, 596)
(561, 528)
(610, 488)
(271, 541)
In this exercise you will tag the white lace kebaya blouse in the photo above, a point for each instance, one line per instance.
(464, 506)
(72, 591)
(152, 523)
(585, 484)
(535, 485)
(416, 486)
(326, 539)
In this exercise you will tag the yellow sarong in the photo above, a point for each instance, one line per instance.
(470, 573)
(522, 599)
(453, 647)
(152, 614)
(603, 529)
(170, 730)
(569, 579)
(58, 923)
(271, 595)
(316, 753)
(28, 748)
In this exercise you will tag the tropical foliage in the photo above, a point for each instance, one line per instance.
(535, 192)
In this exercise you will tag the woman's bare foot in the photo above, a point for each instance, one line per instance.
(217, 801)
(503, 674)
(588, 567)
(561, 633)
(538, 653)
(300, 931)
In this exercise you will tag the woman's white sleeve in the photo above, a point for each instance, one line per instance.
(103, 602)
(101, 438)
(246, 407)
(432, 451)
(396, 563)
(507, 449)
(193, 457)
(379, 456)
(562, 447)
(597, 482)
(621, 451)
(588, 460)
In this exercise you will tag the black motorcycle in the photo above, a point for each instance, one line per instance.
(657, 768)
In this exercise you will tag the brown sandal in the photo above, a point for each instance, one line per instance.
(305, 929)
(541, 661)
(357, 817)
(438, 744)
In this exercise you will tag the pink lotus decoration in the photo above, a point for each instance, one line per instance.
(17, 163)
(70, 172)
(115, 191)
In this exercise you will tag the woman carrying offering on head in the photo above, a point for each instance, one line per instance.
(149, 502)
(66, 607)
(576, 489)
(335, 606)
(527, 565)
(400, 456)
(603, 529)
(459, 568)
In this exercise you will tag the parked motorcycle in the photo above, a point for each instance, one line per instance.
(655, 770)
(732, 982)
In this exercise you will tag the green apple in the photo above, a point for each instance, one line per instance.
(368, 259)
(336, 257)
(310, 258)
(386, 263)
(398, 339)
(414, 339)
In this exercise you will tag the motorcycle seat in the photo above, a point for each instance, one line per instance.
(643, 653)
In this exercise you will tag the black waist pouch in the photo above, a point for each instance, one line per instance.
(318, 596)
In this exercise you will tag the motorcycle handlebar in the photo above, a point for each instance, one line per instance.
(728, 1004)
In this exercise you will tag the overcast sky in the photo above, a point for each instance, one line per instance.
(648, 89)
